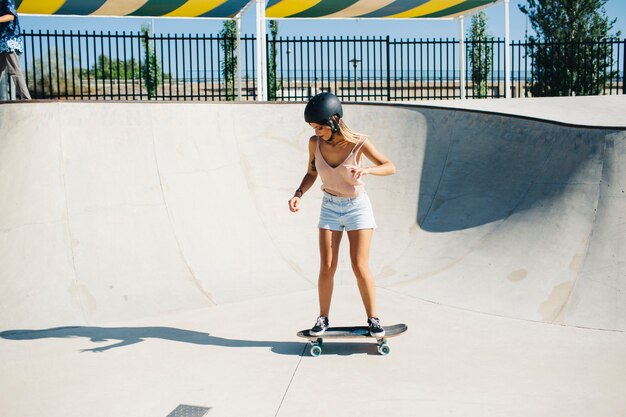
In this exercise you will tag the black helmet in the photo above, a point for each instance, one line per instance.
(321, 108)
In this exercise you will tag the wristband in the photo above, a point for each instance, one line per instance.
(300, 191)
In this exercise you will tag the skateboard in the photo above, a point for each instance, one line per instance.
(353, 332)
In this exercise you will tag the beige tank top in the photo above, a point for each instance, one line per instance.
(338, 180)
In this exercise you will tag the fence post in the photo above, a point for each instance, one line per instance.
(507, 51)
(388, 70)
(462, 74)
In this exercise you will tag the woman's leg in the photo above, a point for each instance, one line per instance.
(329, 253)
(360, 241)
(15, 73)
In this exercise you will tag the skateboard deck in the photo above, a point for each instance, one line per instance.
(352, 332)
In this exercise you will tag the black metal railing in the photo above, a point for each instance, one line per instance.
(587, 67)
(134, 66)
(139, 66)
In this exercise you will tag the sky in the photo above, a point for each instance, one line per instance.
(362, 27)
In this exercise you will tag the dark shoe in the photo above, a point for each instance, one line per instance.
(376, 330)
(320, 326)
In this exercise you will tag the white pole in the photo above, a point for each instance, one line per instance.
(257, 53)
(261, 66)
(238, 20)
(507, 51)
(264, 48)
(462, 56)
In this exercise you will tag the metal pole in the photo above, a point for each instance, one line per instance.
(240, 56)
(387, 43)
(264, 48)
(624, 69)
(507, 50)
(238, 20)
(261, 66)
(462, 56)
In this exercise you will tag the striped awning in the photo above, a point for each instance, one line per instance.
(145, 8)
(393, 9)
(275, 8)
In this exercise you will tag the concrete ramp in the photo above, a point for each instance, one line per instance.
(517, 218)
(149, 265)
(115, 211)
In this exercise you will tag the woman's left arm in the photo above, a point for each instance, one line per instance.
(382, 165)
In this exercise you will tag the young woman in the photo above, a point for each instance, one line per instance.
(336, 154)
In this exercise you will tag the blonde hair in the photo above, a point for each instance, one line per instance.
(347, 133)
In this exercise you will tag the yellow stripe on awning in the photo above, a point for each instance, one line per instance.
(196, 8)
(290, 7)
(361, 7)
(40, 7)
(119, 7)
(432, 6)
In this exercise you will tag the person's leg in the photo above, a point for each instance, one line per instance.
(4, 91)
(329, 253)
(360, 241)
(15, 73)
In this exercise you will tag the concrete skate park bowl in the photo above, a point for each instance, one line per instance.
(161, 230)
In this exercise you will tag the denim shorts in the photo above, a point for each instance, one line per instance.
(349, 213)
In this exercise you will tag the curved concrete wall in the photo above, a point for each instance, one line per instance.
(113, 211)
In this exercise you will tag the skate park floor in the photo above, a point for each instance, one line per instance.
(150, 265)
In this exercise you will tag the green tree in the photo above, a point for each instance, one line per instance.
(228, 44)
(151, 71)
(271, 71)
(570, 55)
(108, 69)
(52, 78)
(480, 54)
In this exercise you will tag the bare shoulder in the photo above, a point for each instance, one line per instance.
(373, 154)
(367, 145)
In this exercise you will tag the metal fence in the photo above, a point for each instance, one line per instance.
(571, 66)
(133, 66)
(136, 66)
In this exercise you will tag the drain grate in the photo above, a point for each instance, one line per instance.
(189, 411)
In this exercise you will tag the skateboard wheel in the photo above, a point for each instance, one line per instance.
(316, 351)
(384, 349)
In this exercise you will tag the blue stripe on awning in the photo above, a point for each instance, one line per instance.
(80, 7)
(270, 3)
(228, 9)
(158, 7)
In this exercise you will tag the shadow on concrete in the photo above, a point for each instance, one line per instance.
(126, 336)
(347, 348)
(480, 168)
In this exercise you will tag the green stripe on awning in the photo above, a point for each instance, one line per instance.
(397, 6)
(325, 7)
(460, 8)
(158, 7)
(80, 7)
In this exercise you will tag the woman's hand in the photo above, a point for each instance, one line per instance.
(294, 204)
(357, 172)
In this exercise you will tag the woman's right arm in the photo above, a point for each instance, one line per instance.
(308, 180)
